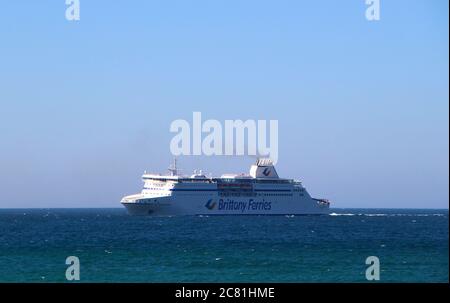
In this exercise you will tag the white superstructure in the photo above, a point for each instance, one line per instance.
(261, 192)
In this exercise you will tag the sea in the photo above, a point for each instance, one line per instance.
(410, 245)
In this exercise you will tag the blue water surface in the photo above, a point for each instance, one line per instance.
(412, 246)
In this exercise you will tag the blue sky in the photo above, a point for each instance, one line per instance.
(362, 106)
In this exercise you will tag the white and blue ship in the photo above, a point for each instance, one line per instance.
(261, 192)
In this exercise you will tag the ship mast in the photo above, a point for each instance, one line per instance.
(173, 167)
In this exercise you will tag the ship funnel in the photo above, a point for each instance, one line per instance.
(263, 169)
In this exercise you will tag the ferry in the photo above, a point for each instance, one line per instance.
(261, 192)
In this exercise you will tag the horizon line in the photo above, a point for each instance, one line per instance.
(37, 208)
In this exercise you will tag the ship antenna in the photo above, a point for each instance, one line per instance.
(173, 168)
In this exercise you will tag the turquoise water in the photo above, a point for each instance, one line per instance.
(412, 246)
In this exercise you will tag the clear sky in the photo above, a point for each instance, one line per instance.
(362, 106)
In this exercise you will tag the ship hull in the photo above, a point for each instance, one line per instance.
(226, 206)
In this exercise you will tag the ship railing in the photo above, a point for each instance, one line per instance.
(297, 183)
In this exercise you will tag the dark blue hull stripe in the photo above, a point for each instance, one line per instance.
(256, 190)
